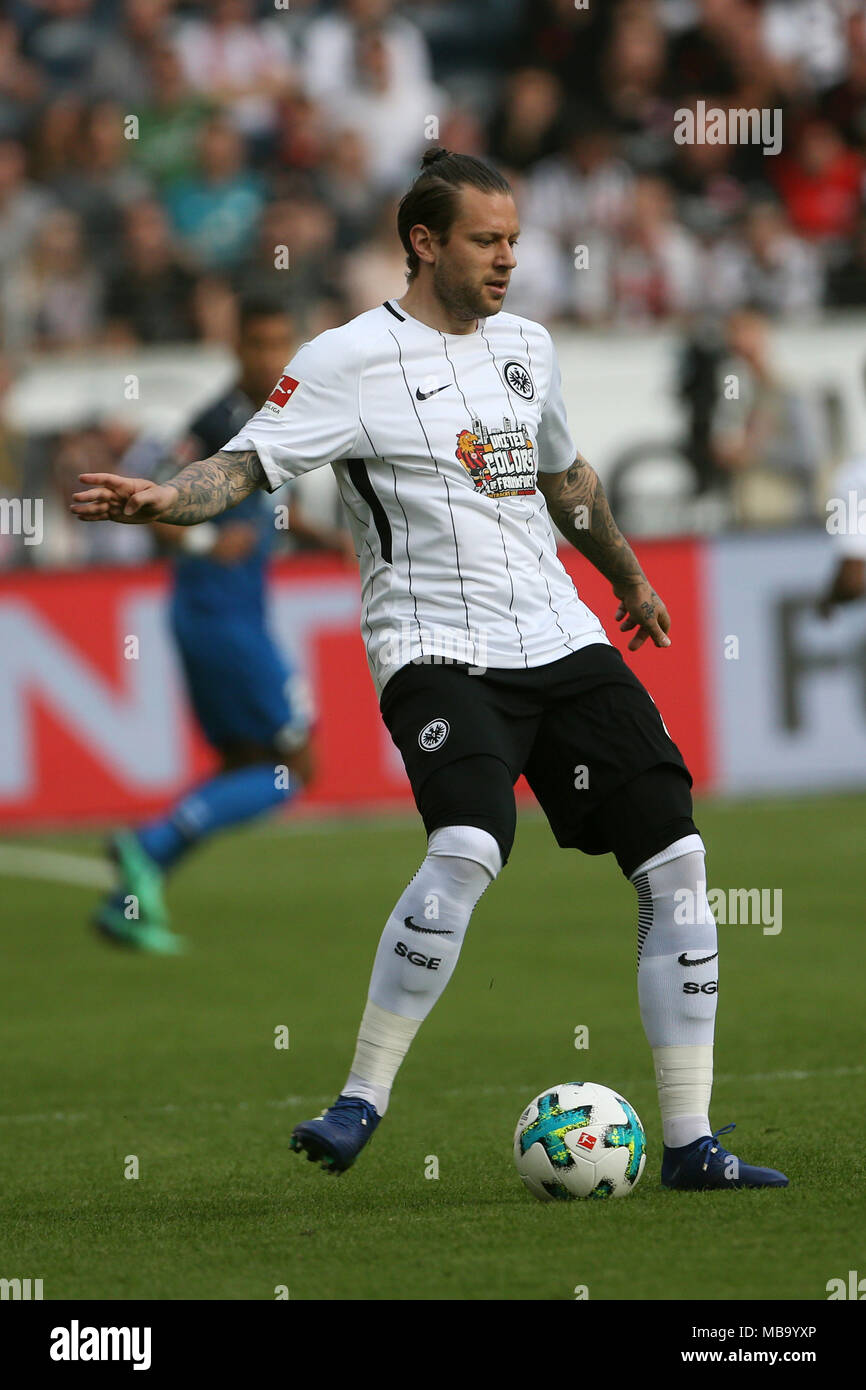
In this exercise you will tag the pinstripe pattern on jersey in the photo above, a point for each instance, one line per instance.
(441, 475)
(378, 456)
(553, 610)
(551, 535)
(472, 414)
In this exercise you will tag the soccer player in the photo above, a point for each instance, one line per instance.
(444, 421)
(252, 708)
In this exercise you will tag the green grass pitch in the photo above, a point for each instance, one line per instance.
(107, 1055)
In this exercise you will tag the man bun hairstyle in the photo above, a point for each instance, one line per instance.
(432, 199)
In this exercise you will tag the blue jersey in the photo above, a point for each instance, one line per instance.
(241, 686)
(204, 584)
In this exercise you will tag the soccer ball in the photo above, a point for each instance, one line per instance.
(579, 1140)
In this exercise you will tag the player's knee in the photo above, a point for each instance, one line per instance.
(461, 863)
(683, 861)
(689, 854)
(241, 754)
(467, 842)
(647, 815)
(674, 911)
(473, 797)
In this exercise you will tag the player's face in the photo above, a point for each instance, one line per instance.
(266, 345)
(474, 266)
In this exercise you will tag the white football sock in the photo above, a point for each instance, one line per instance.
(417, 954)
(678, 984)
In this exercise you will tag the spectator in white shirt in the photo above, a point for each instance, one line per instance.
(329, 58)
(765, 264)
(241, 63)
(394, 118)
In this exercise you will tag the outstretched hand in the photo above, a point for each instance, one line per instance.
(112, 498)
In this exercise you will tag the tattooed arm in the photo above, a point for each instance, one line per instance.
(197, 492)
(577, 503)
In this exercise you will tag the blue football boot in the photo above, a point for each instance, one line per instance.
(335, 1138)
(705, 1164)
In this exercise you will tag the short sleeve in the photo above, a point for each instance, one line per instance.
(311, 416)
(556, 449)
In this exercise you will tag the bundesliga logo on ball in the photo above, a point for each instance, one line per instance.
(579, 1140)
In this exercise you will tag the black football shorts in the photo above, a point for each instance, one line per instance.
(583, 730)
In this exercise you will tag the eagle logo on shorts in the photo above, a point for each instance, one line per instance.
(434, 734)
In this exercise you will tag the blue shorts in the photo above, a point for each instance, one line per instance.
(241, 688)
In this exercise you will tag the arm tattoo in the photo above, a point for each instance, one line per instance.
(212, 485)
(577, 503)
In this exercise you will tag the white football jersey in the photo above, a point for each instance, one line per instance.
(436, 439)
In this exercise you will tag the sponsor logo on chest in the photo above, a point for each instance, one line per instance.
(499, 461)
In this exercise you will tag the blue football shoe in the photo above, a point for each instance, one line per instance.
(705, 1164)
(335, 1138)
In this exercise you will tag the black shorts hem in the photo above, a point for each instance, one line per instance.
(579, 841)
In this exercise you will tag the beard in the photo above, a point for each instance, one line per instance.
(461, 300)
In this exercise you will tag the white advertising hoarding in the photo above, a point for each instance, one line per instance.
(787, 688)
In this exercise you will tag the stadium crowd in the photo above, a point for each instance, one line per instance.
(155, 155)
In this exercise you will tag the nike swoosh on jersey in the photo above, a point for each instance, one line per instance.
(425, 395)
(702, 960)
(428, 931)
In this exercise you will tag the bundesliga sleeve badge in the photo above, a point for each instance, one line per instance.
(282, 393)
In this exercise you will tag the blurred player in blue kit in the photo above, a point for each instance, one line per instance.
(253, 708)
